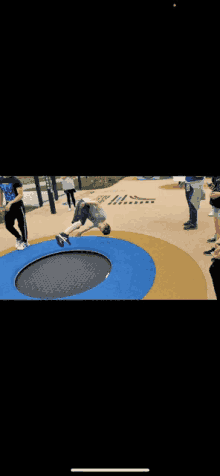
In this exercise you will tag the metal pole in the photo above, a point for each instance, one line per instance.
(37, 184)
(80, 183)
(50, 194)
(53, 178)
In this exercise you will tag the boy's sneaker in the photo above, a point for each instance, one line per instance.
(18, 243)
(207, 253)
(212, 240)
(190, 227)
(65, 238)
(22, 246)
(62, 238)
(211, 214)
(60, 241)
(187, 223)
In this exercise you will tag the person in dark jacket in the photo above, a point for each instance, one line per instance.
(215, 269)
(12, 188)
(194, 194)
(215, 202)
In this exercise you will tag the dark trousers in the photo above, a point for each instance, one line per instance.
(70, 194)
(215, 274)
(17, 212)
(193, 213)
(81, 212)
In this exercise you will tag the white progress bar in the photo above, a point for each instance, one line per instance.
(111, 470)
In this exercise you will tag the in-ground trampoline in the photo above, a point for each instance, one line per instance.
(63, 274)
(93, 268)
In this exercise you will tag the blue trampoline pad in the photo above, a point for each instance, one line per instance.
(131, 276)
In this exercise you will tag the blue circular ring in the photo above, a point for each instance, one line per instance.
(132, 275)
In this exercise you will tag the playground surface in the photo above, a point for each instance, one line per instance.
(150, 215)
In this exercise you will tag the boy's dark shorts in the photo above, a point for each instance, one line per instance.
(81, 215)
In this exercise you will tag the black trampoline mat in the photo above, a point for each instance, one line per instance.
(63, 274)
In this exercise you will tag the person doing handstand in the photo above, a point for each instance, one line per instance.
(85, 209)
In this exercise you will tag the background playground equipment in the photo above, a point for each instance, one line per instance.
(51, 187)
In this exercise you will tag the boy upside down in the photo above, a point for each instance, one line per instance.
(85, 209)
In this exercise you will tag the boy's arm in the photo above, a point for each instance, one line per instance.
(86, 229)
(1, 198)
(19, 196)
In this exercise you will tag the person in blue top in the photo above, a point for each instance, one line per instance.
(12, 188)
(194, 194)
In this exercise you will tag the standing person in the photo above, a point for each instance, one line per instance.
(69, 189)
(85, 209)
(12, 188)
(215, 202)
(215, 269)
(211, 185)
(194, 192)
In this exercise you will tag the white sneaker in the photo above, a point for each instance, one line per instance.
(22, 246)
(211, 214)
(18, 243)
(69, 210)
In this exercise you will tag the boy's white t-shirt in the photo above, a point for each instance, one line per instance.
(96, 214)
(68, 183)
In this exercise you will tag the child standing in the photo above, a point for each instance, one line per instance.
(69, 189)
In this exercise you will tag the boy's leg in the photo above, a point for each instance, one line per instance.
(79, 219)
(73, 227)
(68, 197)
(192, 209)
(217, 227)
(188, 197)
(22, 223)
(9, 223)
(64, 237)
(214, 271)
(73, 198)
(193, 215)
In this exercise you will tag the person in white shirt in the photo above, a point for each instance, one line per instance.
(69, 189)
